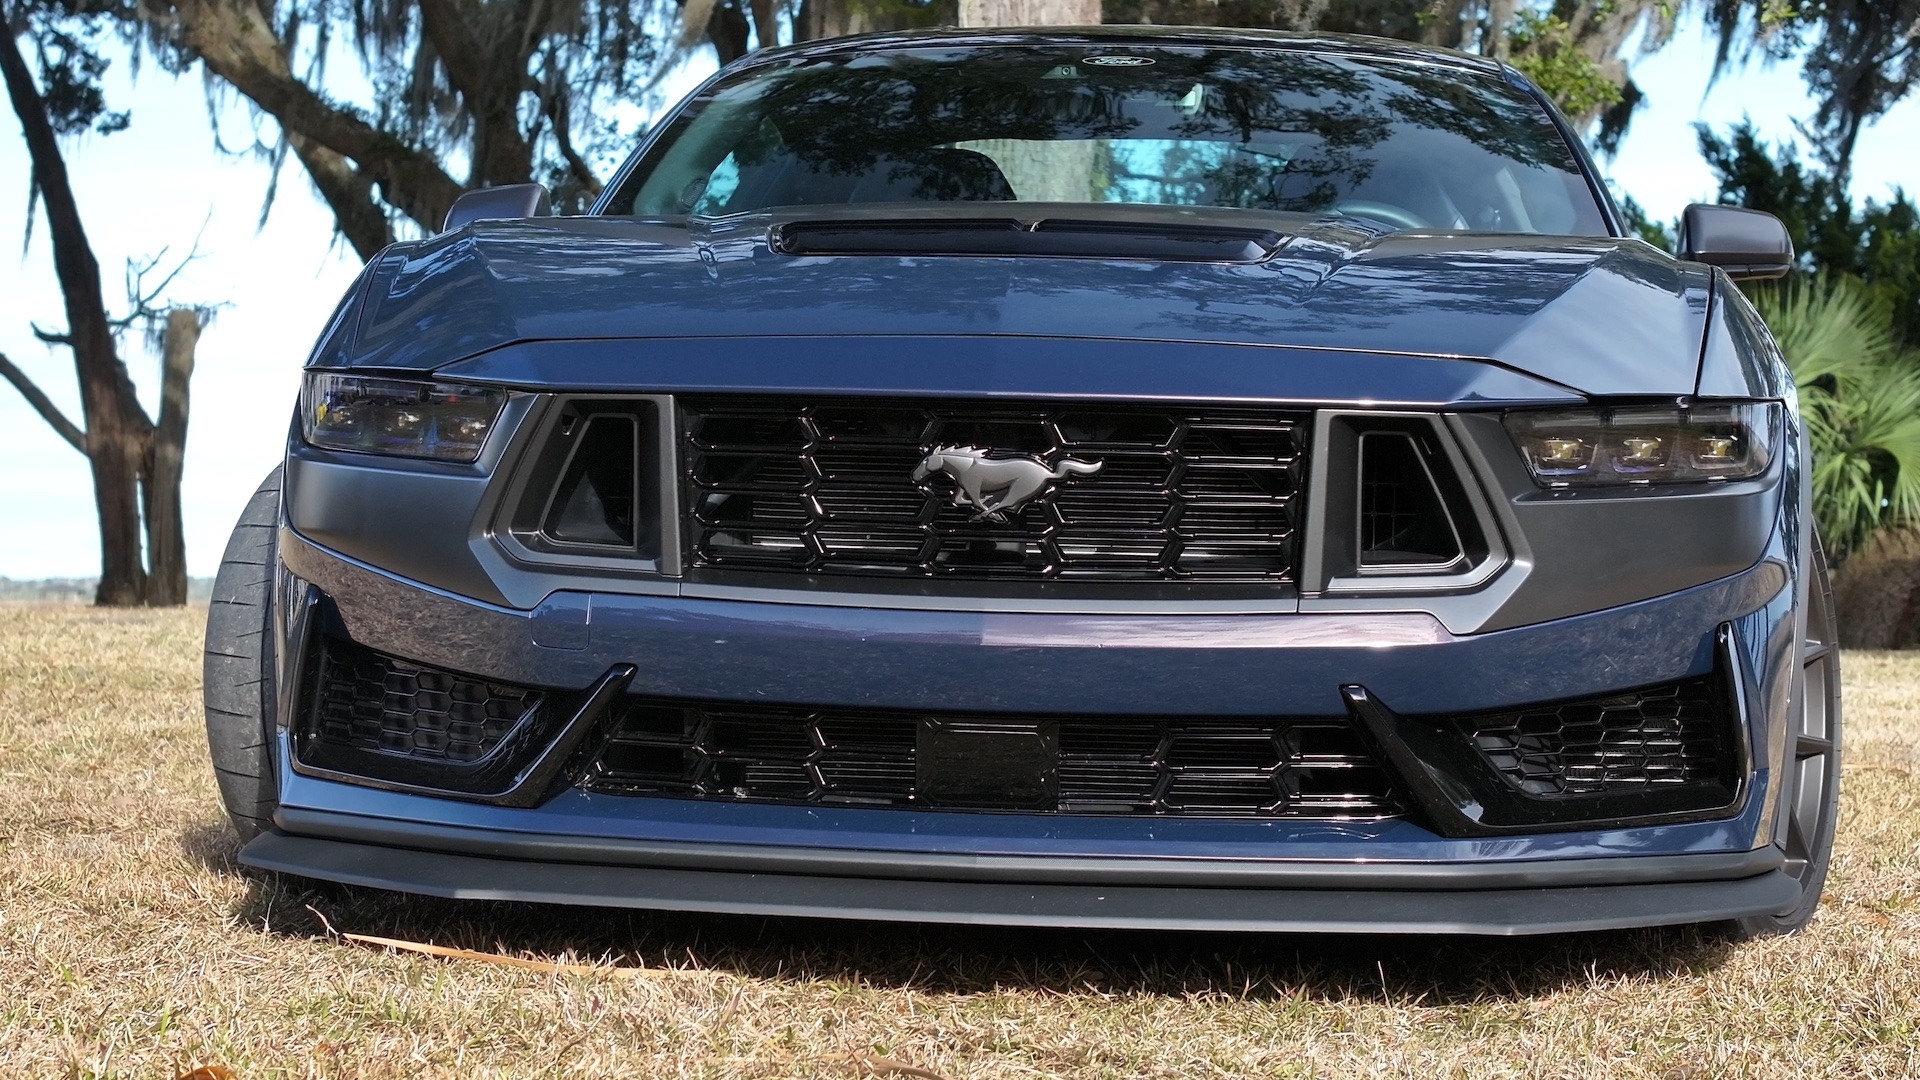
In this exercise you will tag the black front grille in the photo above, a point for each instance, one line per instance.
(366, 701)
(1126, 765)
(1131, 494)
(1641, 742)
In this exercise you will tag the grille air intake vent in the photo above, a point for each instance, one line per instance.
(1644, 741)
(366, 701)
(1403, 521)
(595, 500)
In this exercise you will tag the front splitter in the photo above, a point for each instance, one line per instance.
(1500, 912)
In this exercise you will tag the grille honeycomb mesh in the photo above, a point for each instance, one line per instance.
(369, 701)
(1298, 768)
(827, 487)
(1667, 736)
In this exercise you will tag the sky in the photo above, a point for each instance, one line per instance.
(162, 182)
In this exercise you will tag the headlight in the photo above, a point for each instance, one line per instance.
(445, 421)
(1639, 445)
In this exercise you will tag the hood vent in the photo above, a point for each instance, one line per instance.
(1007, 237)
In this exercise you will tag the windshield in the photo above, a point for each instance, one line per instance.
(1407, 144)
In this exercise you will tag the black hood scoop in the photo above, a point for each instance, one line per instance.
(1009, 237)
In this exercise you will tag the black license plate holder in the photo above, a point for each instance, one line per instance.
(988, 764)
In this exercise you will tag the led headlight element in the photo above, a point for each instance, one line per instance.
(444, 421)
(1647, 445)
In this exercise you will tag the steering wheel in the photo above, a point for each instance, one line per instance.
(1379, 211)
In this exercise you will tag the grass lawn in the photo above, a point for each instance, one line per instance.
(131, 946)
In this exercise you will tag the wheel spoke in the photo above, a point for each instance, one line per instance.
(1816, 651)
(1807, 746)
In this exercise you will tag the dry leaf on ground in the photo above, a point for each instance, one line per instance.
(549, 966)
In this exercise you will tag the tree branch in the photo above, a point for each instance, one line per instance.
(501, 154)
(43, 405)
(560, 115)
(236, 42)
(348, 194)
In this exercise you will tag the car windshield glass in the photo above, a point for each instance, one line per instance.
(1407, 144)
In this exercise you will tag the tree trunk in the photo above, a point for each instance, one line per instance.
(116, 427)
(166, 533)
(1029, 12)
(838, 18)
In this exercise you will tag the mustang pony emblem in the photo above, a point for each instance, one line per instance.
(994, 486)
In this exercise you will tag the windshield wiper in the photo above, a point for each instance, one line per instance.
(1047, 238)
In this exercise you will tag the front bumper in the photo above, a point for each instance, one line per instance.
(1058, 869)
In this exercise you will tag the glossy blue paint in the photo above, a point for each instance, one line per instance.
(1547, 306)
(1024, 367)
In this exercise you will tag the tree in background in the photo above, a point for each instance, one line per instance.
(1860, 395)
(1859, 58)
(1571, 48)
(1876, 243)
(1860, 398)
(460, 93)
(135, 459)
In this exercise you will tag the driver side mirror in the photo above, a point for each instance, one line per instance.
(1747, 244)
(506, 201)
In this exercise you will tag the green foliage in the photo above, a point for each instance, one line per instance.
(1859, 58)
(1664, 237)
(1860, 397)
(1877, 243)
(71, 68)
(1544, 47)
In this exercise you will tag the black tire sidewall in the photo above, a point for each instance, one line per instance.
(238, 680)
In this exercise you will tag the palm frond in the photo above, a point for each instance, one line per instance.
(1861, 401)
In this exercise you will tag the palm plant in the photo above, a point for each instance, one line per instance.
(1860, 397)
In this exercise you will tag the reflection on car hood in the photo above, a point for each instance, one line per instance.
(1601, 316)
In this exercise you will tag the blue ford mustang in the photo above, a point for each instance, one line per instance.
(1123, 477)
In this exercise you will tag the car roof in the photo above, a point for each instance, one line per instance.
(1131, 34)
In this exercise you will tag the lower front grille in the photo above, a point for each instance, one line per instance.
(369, 701)
(1124, 765)
(1643, 741)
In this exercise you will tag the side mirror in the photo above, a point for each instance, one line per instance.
(506, 201)
(1747, 244)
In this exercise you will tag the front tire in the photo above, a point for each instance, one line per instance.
(1810, 790)
(238, 686)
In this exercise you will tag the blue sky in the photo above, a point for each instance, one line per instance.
(153, 186)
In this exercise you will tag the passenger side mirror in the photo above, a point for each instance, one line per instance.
(1747, 244)
(506, 201)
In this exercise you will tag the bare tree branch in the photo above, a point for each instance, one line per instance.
(348, 193)
(558, 112)
(501, 154)
(43, 405)
(237, 42)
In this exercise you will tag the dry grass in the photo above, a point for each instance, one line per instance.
(130, 946)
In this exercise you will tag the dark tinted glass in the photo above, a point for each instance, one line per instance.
(1407, 144)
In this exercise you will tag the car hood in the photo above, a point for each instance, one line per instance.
(1597, 315)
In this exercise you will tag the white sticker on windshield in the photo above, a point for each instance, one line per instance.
(1118, 61)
